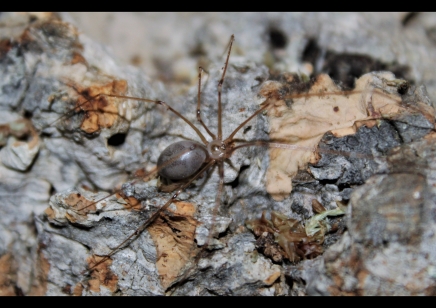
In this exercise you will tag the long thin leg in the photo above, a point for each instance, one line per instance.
(142, 227)
(307, 95)
(155, 170)
(229, 138)
(217, 199)
(265, 106)
(69, 113)
(200, 70)
(287, 146)
(220, 86)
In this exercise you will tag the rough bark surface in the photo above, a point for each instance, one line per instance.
(378, 166)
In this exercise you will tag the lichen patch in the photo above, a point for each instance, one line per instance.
(131, 202)
(100, 111)
(80, 204)
(50, 213)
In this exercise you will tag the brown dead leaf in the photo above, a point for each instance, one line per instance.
(174, 239)
(324, 108)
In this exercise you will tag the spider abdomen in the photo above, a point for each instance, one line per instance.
(187, 157)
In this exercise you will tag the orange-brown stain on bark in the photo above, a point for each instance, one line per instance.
(174, 238)
(101, 275)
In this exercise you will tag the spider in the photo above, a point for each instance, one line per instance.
(68, 156)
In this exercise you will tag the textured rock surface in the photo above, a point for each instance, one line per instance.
(390, 220)
(49, 68)
(390, 244)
